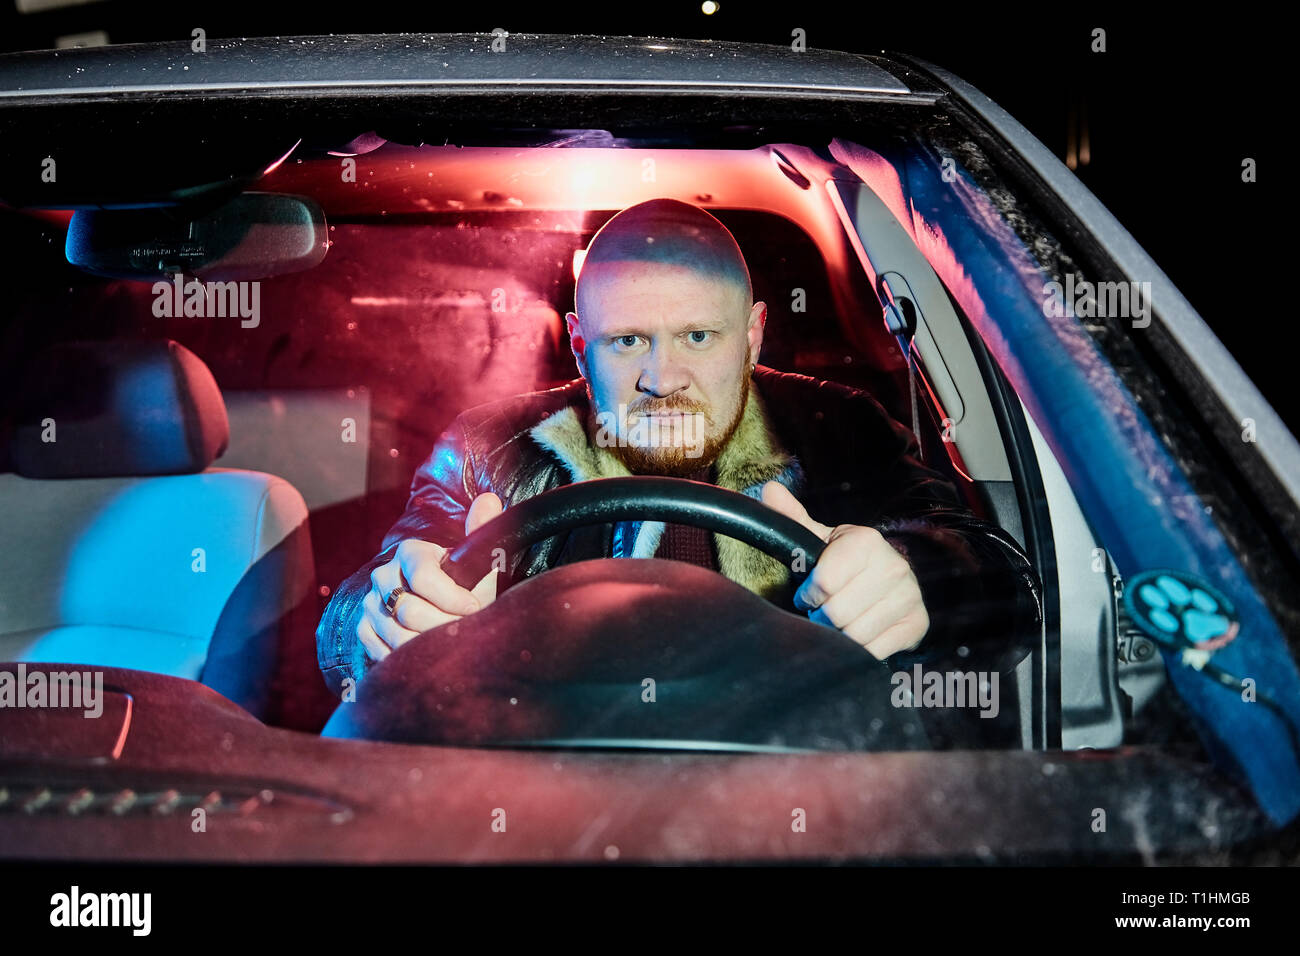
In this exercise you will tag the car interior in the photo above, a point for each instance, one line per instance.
(184, 492)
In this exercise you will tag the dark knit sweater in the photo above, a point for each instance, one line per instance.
(688, 543)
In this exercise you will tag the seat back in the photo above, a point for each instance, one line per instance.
(122, 547)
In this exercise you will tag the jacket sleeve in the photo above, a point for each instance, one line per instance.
(980, 590)
(441, 491)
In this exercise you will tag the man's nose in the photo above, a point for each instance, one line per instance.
(662, 375)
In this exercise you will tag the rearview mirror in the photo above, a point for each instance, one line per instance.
(253, 236)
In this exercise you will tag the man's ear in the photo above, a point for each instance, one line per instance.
(577, 344)
(757, 319)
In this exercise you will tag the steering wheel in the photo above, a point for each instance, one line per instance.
(623, 653)
(626, 499)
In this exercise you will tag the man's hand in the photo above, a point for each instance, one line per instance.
(861, 585)
(433, 598)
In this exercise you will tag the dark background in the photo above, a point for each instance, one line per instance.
(1170, 110)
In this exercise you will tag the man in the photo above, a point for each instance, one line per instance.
(666, 336)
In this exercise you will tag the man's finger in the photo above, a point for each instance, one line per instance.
(386, 577)
(878, 619)
(389, 631)
(416, 614)
(375, 648)
(482, 510)
(426, 578)
(906, 635)
(849, 602)
(485, 592)
(778, 497)
(856, 559)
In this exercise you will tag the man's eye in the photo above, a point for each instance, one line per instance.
(699, 337)
(624, 342)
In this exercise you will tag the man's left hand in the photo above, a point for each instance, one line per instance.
(860, 584)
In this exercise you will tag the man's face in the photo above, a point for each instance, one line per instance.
(665, 351)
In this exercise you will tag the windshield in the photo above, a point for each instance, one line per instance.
(247, 477)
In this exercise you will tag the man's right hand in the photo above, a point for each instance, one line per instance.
(432, 597)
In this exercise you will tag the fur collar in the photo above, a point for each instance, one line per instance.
(751, 458)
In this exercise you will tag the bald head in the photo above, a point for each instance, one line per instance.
(663, 232)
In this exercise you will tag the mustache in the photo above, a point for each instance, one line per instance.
(671, 404)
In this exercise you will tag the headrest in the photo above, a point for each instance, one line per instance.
(118, 409)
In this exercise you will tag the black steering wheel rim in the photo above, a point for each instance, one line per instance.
(604, 500)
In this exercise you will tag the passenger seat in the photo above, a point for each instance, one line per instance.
(122, 547)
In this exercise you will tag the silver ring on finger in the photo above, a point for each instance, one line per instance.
(390, 602)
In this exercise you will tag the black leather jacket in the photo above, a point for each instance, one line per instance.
(854, 465)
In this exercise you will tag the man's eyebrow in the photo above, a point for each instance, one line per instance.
(697, 325)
